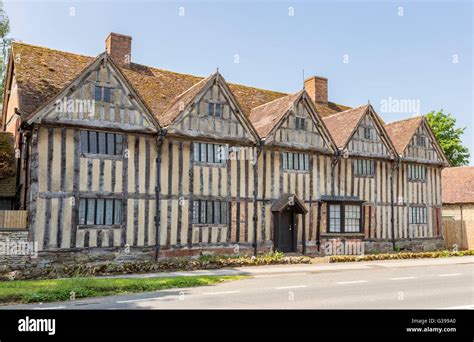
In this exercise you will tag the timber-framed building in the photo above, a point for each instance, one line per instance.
(114, 155)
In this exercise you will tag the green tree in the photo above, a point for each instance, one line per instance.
(4, 46)
(449, 137)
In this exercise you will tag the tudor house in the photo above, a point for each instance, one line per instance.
(114, 154)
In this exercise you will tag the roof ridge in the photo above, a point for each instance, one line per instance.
(15, 42)
(345, 111)
(407, 119)
(278, 99)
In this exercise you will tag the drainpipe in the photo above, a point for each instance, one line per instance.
(19, 161)
(27, 169)
(259, 151)
(462, 223)
(159, 142)
(395, 166)
(334, 162)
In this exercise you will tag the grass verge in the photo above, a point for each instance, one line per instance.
(31, 291)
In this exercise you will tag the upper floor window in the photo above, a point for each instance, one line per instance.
(214, 109)
(100, 211)
(101, 143)
(300, 123)
(416, 172)
(344, 218)
(295, 161)
(418, 215)
(420, 140)
(364, 167)
(103, 94)
(209, 212)
(368, 133)
(209, 153)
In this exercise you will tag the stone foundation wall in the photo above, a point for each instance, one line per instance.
(14, 249)
(404, 245)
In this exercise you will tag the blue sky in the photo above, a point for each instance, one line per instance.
(370, 51)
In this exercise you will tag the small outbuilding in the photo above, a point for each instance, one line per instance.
(458, 206)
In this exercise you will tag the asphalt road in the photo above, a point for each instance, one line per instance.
(422, 284)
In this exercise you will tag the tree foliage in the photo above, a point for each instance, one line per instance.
(449, 137)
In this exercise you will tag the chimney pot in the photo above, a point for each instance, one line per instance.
(119, 47)
(317, 88)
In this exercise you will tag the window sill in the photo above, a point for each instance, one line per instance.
(99, 226)
(203, 164)
(296, 171)
(364, 176)
(101, 156)
(355, 234)
(212, 225)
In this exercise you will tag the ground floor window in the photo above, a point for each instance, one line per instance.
(344, 218)
(418, 215)
(209, 212)
(100, 211)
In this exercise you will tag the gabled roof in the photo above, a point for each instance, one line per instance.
(42, 73)
(458, 184)
(183, 100)
(401, 132)
(265, 117)
(289, 201)
(342, 125)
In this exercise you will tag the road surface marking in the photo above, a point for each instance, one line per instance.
(352, 282)
(449, 274)
(51, 308)
(219, 293)
(402, 278)
(279, 275)
(138, 300)
(460, 307)
(290, 287)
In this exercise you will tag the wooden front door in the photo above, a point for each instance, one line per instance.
(286, 231)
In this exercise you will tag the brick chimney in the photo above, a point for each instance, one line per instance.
(119, 46)
(317, 88)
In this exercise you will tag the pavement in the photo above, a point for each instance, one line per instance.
(446, 283)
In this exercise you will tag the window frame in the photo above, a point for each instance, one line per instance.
(296, 161)
(215, 109)
(342, 217)
(416, 173)
(365, 164)
(371, 134)
(100, 93)
(300, 123)
(204, 154)
(93, 139)
(210, 212)
(84, 214)
(418, 215)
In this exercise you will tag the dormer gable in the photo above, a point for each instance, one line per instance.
(100, 96)
(293, 122)
(209, 110)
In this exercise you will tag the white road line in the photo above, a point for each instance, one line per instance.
(51, 308)
(402, 278)
(449, 275)
(220, 293)
(138, 300)
(352, 282)
(290, 287)
(471, 307)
